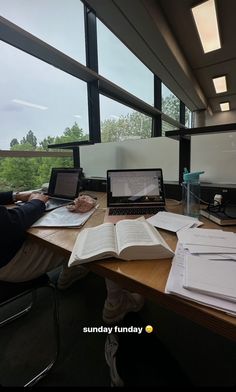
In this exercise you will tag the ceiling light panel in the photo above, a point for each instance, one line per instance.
(224, 106)
(220, 84)
(207, 26)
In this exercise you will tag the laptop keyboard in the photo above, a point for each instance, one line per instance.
(135, 211)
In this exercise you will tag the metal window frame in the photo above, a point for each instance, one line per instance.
(96, 84)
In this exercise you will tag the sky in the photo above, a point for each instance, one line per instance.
(39, 97)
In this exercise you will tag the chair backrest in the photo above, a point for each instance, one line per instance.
(9, 290)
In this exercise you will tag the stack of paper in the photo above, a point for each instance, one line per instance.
(213, 277)
(204, 268)
(173, 222)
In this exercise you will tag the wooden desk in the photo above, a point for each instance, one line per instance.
(146, 277)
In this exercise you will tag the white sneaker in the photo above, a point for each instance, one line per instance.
(70, 275)
(129, 302)
(111, 347)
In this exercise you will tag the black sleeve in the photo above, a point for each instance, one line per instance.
(14, 223)
(19, 219)
(6, 198)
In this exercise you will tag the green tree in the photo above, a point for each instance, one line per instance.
(46, 141)
(14, 142)
(171, 106)
(73, 134)
(30, 139)
(19, 173)
(135, 125)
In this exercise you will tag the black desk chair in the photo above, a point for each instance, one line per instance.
(10, 292)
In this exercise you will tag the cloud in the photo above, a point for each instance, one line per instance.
(29, 104)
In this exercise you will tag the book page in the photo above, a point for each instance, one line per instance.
(93, 243)
(134, 232)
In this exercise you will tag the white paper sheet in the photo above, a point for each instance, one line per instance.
(208, 249)
(207, 237)
(212, 277)
(62, 217)
(172, 222)
(174, 286)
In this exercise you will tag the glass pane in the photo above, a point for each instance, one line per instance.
(188, 118)
(39, 101)
(22, 174)
(118, 64)
(170, 103)
(119, 122)
(56, 22)
(167, 127)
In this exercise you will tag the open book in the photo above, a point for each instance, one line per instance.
(127, 240)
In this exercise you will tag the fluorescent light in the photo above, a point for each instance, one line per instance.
(220, 84)
(224, 106)
(207, 26)
(30, 104)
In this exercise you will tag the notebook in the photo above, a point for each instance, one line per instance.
(218, 217)
(133, 193)
(63, 187)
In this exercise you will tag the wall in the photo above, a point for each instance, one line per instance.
(155, 152)
(202, 118)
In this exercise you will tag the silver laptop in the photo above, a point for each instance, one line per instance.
(63, 187)
(133, 193)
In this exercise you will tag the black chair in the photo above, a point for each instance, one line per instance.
(11, 292)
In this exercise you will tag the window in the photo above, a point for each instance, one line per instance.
(118, 64)
(119, 122)
(37, 97)
(59, 23)
(170, 103)
(188, 118)
(22, 174)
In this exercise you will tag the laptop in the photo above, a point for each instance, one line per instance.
(133, 193)
(64, 186)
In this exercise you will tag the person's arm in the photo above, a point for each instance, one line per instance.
(16, 221)
(11, 197)
(6, 198)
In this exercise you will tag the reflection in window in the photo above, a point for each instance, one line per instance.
(119, 122)
(39, 103)
(170, 103)
(188, 118)
(59, 23)
(118, 64)
(167, 127)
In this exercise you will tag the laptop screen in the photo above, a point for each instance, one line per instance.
(135, 187)
(64, 183)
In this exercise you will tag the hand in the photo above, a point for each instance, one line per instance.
(83, 203)
(38, 196)
(23, 196)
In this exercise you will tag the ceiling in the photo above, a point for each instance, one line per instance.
(163, 35)
(212, 64)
